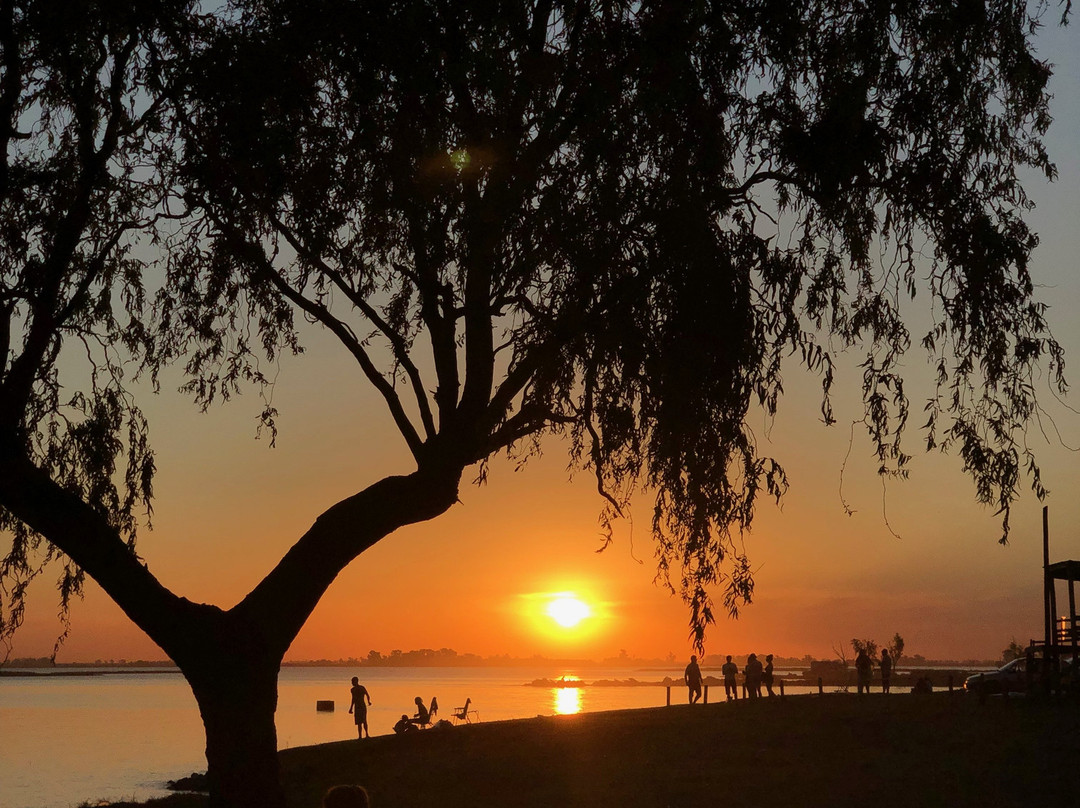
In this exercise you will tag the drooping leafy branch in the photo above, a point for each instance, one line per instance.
(617, 221)
(82, 124)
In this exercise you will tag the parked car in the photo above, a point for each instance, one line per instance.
(1009, 678)
(1013, 678)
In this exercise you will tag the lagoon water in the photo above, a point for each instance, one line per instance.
(66, 740)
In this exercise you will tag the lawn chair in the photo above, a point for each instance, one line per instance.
(465, 714)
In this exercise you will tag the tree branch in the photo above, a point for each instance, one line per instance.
(284, 599)
(85, 536)
(264, 269)
(10, 88)
(397, 341)
(440, 324)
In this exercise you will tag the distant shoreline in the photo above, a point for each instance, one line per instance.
(39, 665)
(104, 671)
(943, 676)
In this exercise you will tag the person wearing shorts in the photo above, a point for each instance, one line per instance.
(358, 708)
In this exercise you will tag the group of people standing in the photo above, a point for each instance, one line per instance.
(864, 670)
(755, 676)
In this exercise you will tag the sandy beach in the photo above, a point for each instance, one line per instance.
(805, 751)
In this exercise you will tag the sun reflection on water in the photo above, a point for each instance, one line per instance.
(567, 700)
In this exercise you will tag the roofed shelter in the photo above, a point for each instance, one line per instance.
(1061, 632)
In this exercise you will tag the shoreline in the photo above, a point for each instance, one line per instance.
(807, 751)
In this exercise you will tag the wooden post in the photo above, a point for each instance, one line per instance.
(781, 688)
(668, 695)
(820, 687)
(950, 682)
(1048, 584)
(706, 701)
(1072, 612)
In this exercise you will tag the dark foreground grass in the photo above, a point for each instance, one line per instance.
(802, 752)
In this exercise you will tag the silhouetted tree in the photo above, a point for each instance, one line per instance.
(1014, 651)
(896, 649)
(869, 647)
(605, 221)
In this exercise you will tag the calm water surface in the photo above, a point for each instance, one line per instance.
(65, 740)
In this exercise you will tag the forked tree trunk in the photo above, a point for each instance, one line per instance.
(230, 658)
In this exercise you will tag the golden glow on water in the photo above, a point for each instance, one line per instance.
(567, 700)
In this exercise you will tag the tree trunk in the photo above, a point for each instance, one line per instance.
(230, 658)
(237, 697)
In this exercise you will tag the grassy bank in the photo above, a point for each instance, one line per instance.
(803, 752)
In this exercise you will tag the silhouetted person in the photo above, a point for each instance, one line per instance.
(358, 708)
(767, 674)
(346, 797)
(863, 669)
(753, 673)
(886, 670)
(922, 686)
(422, 717)
(692, 677)
(404, 725)
(730, 670)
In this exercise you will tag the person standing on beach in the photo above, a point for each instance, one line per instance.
(767, 675)
(692, 677)
(358, 708)
(753, 673)
(863, 669)
(886, 670)
(730, 670)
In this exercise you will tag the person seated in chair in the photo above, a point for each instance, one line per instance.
(423, 716)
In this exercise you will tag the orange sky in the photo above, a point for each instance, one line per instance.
(228, 507)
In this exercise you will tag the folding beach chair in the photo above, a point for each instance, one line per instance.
(465, 714)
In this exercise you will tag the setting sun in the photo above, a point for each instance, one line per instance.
(565, 618)
(568, 611)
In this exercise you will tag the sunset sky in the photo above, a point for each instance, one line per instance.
(479, 578)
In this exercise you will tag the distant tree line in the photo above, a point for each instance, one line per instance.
(448, 657)
(48, 662)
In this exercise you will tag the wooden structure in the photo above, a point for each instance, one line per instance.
(1064, 631)
(1061, 633)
